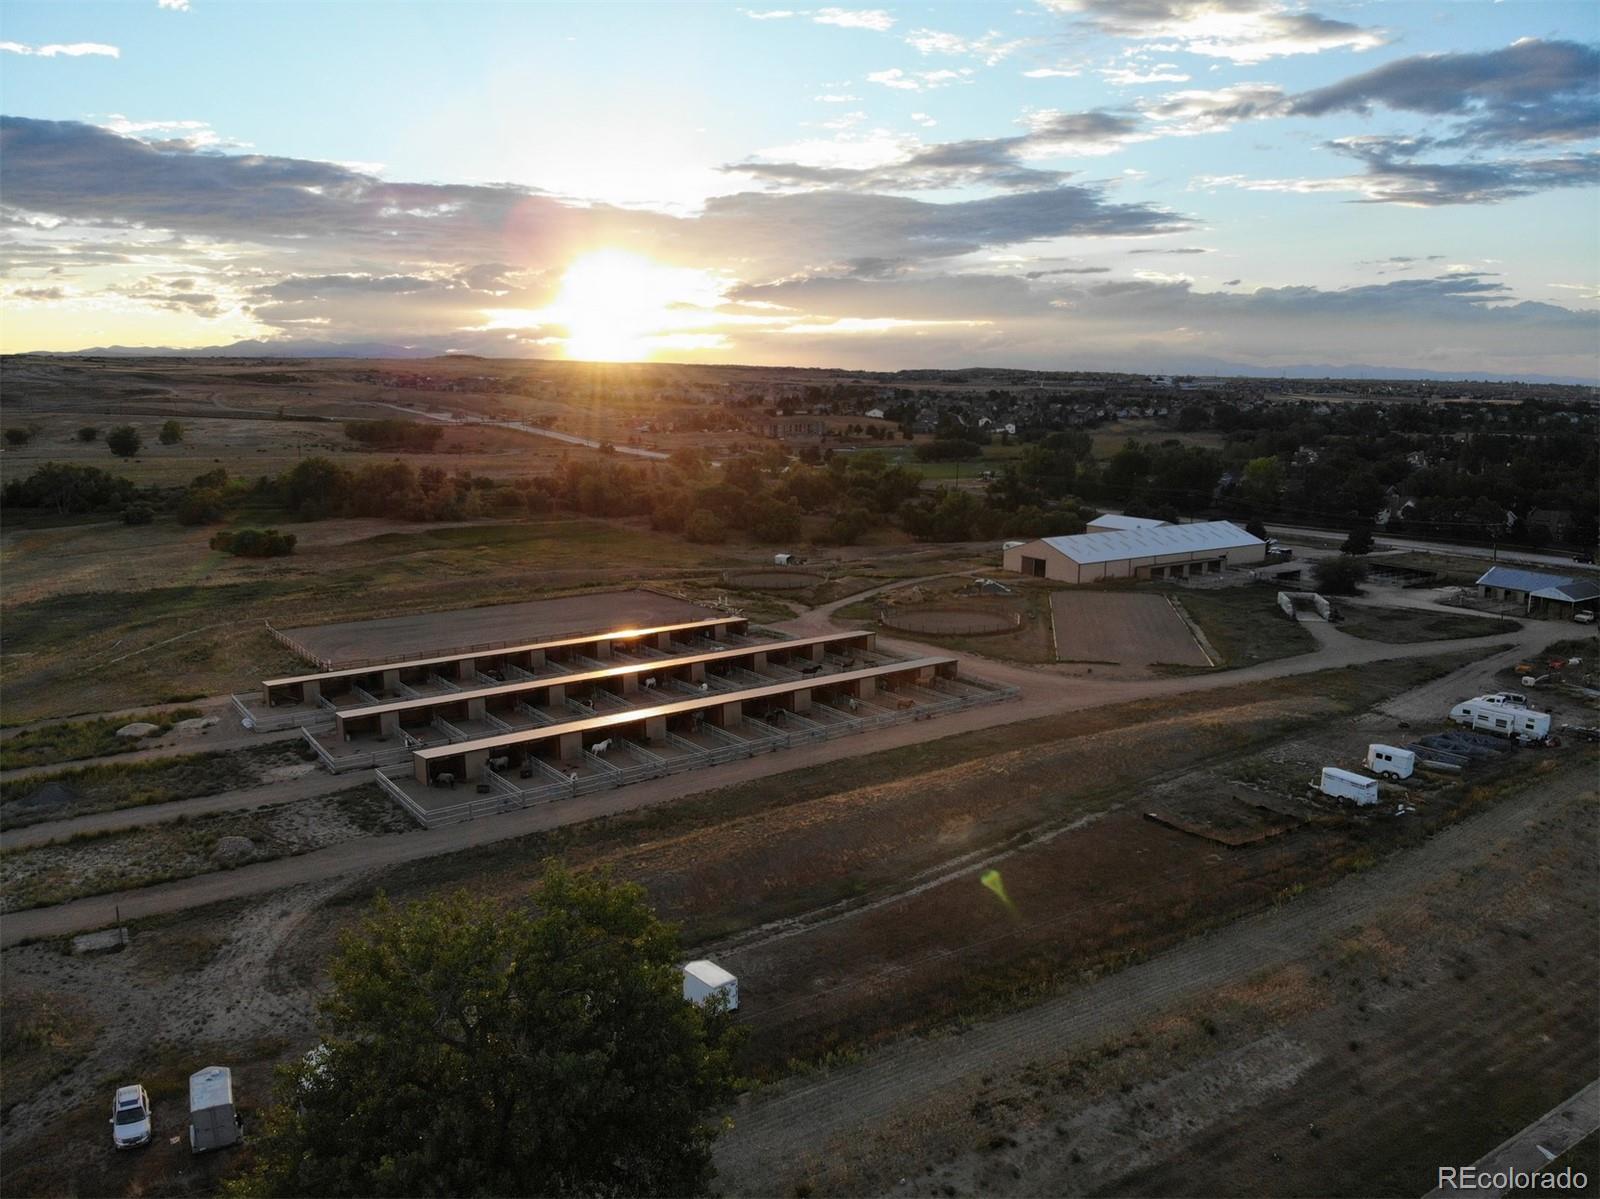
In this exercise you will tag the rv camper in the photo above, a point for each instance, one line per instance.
(1502, 719)
(1390, 761)
(1346, 784)
(213, 1124)
(702, 980)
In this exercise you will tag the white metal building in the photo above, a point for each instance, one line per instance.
(1114, 522)
(1163, 552)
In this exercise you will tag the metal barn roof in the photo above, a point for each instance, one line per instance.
(1522, 580)
(1575, 591)
(1085, 548)
(1111, 521)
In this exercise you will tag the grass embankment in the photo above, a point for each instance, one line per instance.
(75, 740)
(97, 651)
(1244, 625)
(43, 1034)
(142, 857)
(1403, 626)
(112, 785)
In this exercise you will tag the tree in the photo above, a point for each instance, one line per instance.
(1255, 528)
(88, 433)
(704, 528)
(138, 514)
(1262, 482)
(124, 441)
(1339, 576)
(171, 433)
(471, 1050)
(1359, 541)
(18, 436)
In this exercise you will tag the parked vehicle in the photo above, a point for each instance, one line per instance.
(131, 1122)
(1513, 699)
(1584, 617)
(1390, 761)
(213, 1122)
(1346, 784)
(1501, 719)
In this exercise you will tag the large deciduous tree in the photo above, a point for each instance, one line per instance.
(472, 1050)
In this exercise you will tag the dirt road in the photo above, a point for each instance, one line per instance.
(804, 1116)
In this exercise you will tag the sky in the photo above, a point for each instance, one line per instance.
(1154, 185)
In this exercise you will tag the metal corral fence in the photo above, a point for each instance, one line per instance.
(261, 723)
(778, 729)
(950, 620)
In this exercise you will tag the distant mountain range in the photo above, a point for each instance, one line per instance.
(1197, 365)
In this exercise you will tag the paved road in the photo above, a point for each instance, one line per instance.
(1536, 1146)
(804, 1115)
(520, 426)
(1481, 552)
(308, 786)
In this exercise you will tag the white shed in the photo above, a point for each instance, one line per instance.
(703, 979)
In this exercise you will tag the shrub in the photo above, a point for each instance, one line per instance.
(1339, 576)
(200, 506)
(88, 433)
(138, 514)
(124, 441)
(394, 434)
(17, 435)
(67, 487)
(171, 433)
(254, 543)
(705, 529)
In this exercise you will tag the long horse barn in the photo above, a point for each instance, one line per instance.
(469, 730)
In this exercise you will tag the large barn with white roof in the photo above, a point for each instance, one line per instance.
(1158, 552)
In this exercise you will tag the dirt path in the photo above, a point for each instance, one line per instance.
(803, 1117)
(308, 786)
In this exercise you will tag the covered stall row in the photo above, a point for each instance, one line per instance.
(555, 698)
(567, 743)
(366, 684)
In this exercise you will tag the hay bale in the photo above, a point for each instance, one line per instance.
(230, 850)
(139, 728)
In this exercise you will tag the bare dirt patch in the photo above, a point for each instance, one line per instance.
(500, 624)
(139, 857)
(1123, 627)
(773, 580)
(970, 619)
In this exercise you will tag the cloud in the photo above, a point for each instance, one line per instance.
(173, 5)
(69, 49)
(924, 120)
(836, 98)
(1212, 111)
(989, 49)
(919, 81)
(1527, 92)
(776, 14)
(1067, 270)
(1244, 31)
(1050, 73)
(1133, 76)
(1394, 175)
(993, 162)
(1174, 250)
(860, 18)
(38, 293)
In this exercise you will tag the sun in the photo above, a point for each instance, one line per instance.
(617, 306)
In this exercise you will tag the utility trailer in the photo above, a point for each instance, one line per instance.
(1346, 784)
(213, 1122)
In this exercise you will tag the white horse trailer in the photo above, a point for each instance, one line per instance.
(702, 980)
(1346, 784)
(1390, 761)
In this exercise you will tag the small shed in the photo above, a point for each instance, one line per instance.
(703, 979)
(213, 1123)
